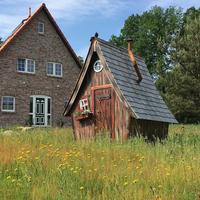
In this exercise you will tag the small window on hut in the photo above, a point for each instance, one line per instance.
(84, 105)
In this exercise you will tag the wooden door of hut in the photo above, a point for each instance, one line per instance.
(103, 110)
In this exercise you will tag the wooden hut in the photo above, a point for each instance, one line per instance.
(115, 94)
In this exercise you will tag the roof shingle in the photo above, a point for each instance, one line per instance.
(143, 98)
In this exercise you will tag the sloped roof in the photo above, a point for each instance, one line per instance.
(143, 99)
(25, 22)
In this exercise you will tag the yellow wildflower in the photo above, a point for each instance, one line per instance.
(125, 183)
(135, 181)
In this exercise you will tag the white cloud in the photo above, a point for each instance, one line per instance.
(72, 11)
(75, 11)
(8, 23)
(80, 8)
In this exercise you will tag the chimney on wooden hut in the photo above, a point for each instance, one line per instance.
(133, 60)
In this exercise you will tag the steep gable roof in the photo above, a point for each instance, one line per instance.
(143, 99)
(25, 22)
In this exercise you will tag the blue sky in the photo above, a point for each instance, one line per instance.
(80, 19)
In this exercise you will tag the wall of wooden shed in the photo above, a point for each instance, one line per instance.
(151, 130)
(121, 115)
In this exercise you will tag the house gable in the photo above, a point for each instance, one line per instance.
(25, 22)
(88, 79)
(94, 51)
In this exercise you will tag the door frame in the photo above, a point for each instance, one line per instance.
(100, 87)
(46, 114)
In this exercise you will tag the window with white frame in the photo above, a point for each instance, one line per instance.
(58, 69)
(50, 70)
(40, 27)
(8, 104)
(84, 105)
(26, 65)
(54, 69)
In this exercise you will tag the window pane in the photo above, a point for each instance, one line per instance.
(58, 69)
(49, 120)
(84, 104)
(49, 106)
(8, 103)
(31, 105)
(21, 63)
(30, 66)
(40, 27)
(50, 68)
(42, 108)
(37, 108)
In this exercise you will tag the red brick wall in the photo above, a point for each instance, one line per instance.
(42, 48)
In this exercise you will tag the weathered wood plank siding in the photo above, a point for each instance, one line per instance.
(86, 128)
(151, 130)
(120, 115)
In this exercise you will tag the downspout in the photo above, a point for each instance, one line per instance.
(133, 60)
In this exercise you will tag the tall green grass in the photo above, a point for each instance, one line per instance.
(49, 164)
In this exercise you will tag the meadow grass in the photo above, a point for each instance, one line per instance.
(49, 164)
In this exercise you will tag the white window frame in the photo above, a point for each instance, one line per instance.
(84, 105)
(26, 65)
(38, 28)
(5, 110)
(54, 69)
(98, 66)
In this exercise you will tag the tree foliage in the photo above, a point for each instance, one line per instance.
(152, 33)
(183, 89)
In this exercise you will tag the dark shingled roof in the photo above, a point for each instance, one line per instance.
(143, 98)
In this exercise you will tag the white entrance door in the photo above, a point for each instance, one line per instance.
(40, 110)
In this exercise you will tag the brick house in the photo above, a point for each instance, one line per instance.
(37, 66)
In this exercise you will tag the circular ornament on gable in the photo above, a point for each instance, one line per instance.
(97, 66)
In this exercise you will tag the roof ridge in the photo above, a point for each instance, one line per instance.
(111, 44)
